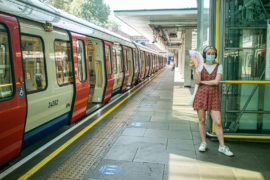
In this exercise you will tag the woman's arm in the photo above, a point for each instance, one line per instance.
(197, 77)
(213, 82)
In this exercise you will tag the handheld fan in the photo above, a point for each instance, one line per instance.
(196, 58)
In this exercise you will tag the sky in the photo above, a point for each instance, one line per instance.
(145, 4)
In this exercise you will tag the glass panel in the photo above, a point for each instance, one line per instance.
(33, 63)
(244, 105)
(244, 64)
(91, 61)
(81, 61)
(6, 82)
(143, 61)
(266, 123)
(246, 13)
(245, 38)
(126, 59)
(115, 62)
(135, 60)
(147, 60)
(108, 58)
(244, 59)
(63, 61)
(120, 59)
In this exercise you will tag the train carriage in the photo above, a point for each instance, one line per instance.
(55, 68)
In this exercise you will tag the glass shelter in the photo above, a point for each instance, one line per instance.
(241, 33)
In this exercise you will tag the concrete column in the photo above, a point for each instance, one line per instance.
(182, 55)
(188, 43)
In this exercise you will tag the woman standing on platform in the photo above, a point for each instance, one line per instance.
(207, 97)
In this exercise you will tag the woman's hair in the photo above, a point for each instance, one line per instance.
(204, 53)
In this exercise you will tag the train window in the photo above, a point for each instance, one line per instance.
(143, 60)
(6, 83)
(148, 61)
(115, 62)
(120, 60)
(108, 58)
(126, 59)
(81, 61)
(91, 61)
(33, 63)
(135, 60)
(63, 61)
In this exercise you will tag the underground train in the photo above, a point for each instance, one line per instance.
(55, 67)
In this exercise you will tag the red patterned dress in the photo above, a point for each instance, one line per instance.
(207, 97)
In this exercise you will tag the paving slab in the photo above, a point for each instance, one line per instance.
(129, 171)
(181, 134)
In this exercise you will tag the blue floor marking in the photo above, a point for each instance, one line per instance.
(148, 105)
(137, 124)
(109, 169)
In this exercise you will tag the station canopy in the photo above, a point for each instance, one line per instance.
(165, 27)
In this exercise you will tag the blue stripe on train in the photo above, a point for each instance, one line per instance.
(45, 129)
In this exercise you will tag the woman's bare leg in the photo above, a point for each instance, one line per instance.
(201, 115)
(216, 117)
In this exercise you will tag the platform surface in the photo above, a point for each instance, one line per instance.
(153, 136)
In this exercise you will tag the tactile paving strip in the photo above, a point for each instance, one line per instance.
(81, 161)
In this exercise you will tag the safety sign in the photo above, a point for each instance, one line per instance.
(21, 91)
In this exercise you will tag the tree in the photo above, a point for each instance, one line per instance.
(60, 4)
(75, 8)
(112, 25)
(94, 11)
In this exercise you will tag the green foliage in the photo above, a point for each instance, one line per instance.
(112, 24)
(94, 11)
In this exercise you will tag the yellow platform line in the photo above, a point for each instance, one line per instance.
(246, 137)
(74, 138)
(247, 82)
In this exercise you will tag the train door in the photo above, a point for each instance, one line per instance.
(142, 65)
(91, 68)
(12, 90)
(135, 65)
(109, 70)
(125, 64)
(139, 66)
(97, 73)
(130, 66)
(151, 58)
(156, 63)
(153, 63)
(147, 64)
(117, 69)
(82, 84)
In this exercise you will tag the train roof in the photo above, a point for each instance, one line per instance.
(145, 48)
(41, 12)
